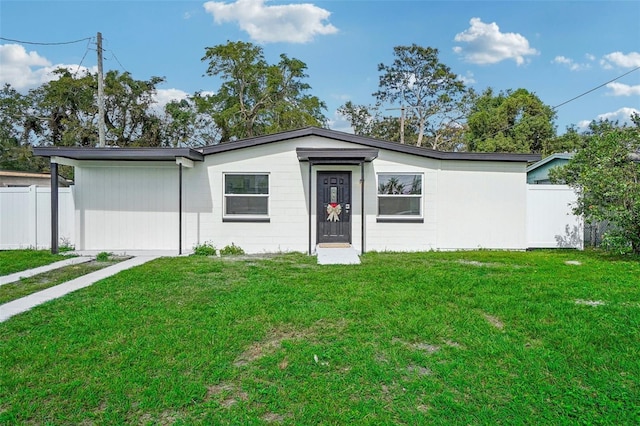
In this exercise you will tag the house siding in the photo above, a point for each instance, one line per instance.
(127, 206)
(134, 205)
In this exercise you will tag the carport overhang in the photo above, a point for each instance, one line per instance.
(71, 156)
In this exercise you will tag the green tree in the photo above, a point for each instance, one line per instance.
(570, 141)
(606, 176)
(369, 121)
(129, 116)
(16, 126)
(434, 98)
(255, 97)
(511, 121)
(67, 109)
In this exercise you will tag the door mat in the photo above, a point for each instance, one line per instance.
(334, 245)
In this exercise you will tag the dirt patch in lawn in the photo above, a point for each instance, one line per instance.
(269, 345)
(493, 320)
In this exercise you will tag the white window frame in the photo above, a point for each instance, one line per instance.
(245, 217)
(399, 217)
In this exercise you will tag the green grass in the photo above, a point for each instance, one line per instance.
(45, 280)
(19, 260)
(423, 338)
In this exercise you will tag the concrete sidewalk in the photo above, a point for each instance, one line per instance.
(337, 255)
(24, 304)
(46, 268)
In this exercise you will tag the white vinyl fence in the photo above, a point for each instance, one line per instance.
(550, 219)
(25, 217)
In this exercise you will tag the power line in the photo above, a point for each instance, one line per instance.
(46, 44)
(83, 56)
(595, 88)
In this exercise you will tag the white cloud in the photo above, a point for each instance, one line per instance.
(294, 23)
(619, 59)
(468, 78)
(621, 89)
(164, 96)
(623, 115)
(570, 63)
(25, 70)
(485, 44)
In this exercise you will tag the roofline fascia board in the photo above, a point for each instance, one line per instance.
(185, 162)
(369, 142)
(337, 154)
(119, 154)
(64, 161)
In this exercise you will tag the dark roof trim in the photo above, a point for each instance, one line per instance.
(369, 142)
(119, 154)
(337, 155)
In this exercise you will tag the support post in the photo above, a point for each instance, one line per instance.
(54, 208)
(180, 208)
(362, 216)
(310, 205)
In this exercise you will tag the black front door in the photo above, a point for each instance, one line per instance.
(334, 207)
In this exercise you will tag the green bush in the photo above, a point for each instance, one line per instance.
(616, 242)
(204, 249)
(231, 250)
(103, 256)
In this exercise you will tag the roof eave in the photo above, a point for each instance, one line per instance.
(119, 154)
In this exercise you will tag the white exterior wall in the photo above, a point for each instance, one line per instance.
(550, 219)
(288, 229)
(124, 206)
(25, 217)
(465, 204)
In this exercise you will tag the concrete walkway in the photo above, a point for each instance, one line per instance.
(46, 268)
(24, 304)
(337, 256)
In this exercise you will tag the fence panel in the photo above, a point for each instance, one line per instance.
(25, 217)
(550, 219)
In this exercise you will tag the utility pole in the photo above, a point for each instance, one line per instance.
(101, 124)
(401, 121)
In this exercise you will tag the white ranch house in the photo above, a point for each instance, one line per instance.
(292, 191)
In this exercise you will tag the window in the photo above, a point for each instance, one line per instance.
(246, 195)
(400, 196)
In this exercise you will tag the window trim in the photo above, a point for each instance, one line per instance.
(226, 217)
(390, 218)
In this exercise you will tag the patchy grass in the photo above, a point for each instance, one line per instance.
(26, 286)
(20, 260)
(463, 338)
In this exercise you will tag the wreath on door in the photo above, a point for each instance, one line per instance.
(333, 211)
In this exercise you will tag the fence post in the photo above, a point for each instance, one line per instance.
(32, 217)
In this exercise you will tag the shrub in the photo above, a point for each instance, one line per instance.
(65, 245)
(103, 256)
(231, 250)
(204, 249)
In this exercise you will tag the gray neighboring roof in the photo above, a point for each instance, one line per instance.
(124, 154)
(558, 156)
(370, 142)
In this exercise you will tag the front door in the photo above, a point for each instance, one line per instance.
(334, 207)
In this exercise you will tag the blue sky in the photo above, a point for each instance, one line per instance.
(557, 49)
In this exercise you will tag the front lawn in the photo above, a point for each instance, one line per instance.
(20, 260)
(446, 338)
